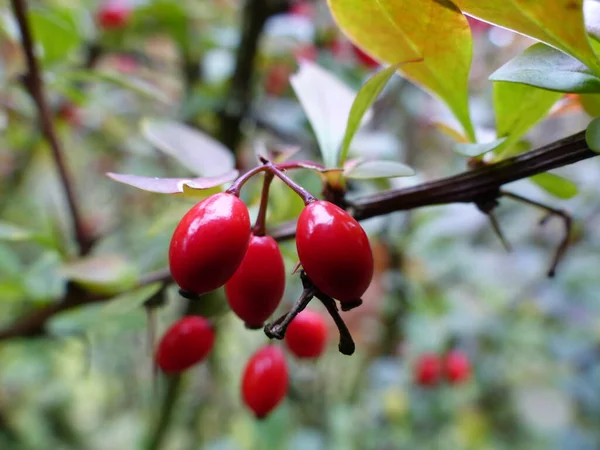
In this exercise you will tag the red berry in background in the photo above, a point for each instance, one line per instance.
(302, 8)
(364, 59)
(265, 380)
(209, 243)
(306, 335)
(277, 79)
(334, 251)
(428, 370)
(113, 14)
(478, 26)
(70, 113)
(255, 289)
(187, 342)
(457, 367)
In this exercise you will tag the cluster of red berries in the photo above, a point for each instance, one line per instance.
(215, 246)
(430, 369)
(265, 379)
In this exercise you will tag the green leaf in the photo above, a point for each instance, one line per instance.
(163, 15)
(477, 149)
(102, 274)
(547, 68)
(401, 30)
(195, 150)
(379, 169)
(56, 31)
(173, 185)
(592, 135)
(129, 301)
(43, 280)
(559, 23)
(367, 94)
(590, 104)
(555, 185)
(327, 102)
(12, 232)
(518, 107)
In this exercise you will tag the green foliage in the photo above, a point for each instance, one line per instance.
(556, 185)
(592, 135)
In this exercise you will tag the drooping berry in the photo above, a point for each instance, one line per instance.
(265, 380)
(255, 289)
(306, 335)
(457, 367)
(113, 15)
(187, 342)
(209, 243)
(334, 251)
(428, 370)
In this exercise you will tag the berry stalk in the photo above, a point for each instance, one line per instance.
(259, 226)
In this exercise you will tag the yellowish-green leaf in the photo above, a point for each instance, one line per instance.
(102, 274)
(519, 107)
(559, 23)
(12, 232)
(401, 30)
(555, 185)
(592, 135)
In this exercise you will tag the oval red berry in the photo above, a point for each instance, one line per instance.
(334, 251)
(428, 370)
(113, 14)
(187, 342)
(255, 289)
(306, 336)
(457, 367)
(265, 380)
(209, 243)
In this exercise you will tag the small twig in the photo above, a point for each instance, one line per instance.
(277, 329)
(498, 231)
(567, 220)
(346, 345)
(35, 85)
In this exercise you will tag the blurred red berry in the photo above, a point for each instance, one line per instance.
(364, 58)
(307, 52)
(304, 9)
(306, 336)
(457, 367)
(113, 15)
(187, 342)
(69, 113)
(265, 380)
(428, 370)
(277, 79)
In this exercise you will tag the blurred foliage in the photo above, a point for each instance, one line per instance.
(119, 99)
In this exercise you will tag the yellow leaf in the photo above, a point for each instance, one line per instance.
(559, 23)
(401, 30)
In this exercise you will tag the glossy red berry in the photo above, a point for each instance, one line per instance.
(334, 251)
(428, 370)
(187, 342)
(457, 367)
(209, 243)
(255, 289)
(113, 14)
(306, 336)
(265, 380)
(364, 58)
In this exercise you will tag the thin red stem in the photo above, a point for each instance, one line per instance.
(259, 226)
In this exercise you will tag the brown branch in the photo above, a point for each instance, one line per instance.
(35, 85)
(472, 186)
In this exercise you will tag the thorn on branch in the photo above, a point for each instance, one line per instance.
(550, 212)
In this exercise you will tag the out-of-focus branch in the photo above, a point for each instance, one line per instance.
(239, 99)
(35, 85)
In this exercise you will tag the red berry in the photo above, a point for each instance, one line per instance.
(365, 59)
(265, 380)
(334, 251)
(277, 79)
(187, 342)
(306, 336)
(209, 243)
(255, 289)
(113, 15)
(428, 369)
(457, 367)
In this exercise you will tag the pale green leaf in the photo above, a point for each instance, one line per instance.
(555, 185)
(379, 169)
(103, 274)
(477, 149)
(592, 135)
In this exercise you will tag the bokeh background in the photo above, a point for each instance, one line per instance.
(442, 280)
